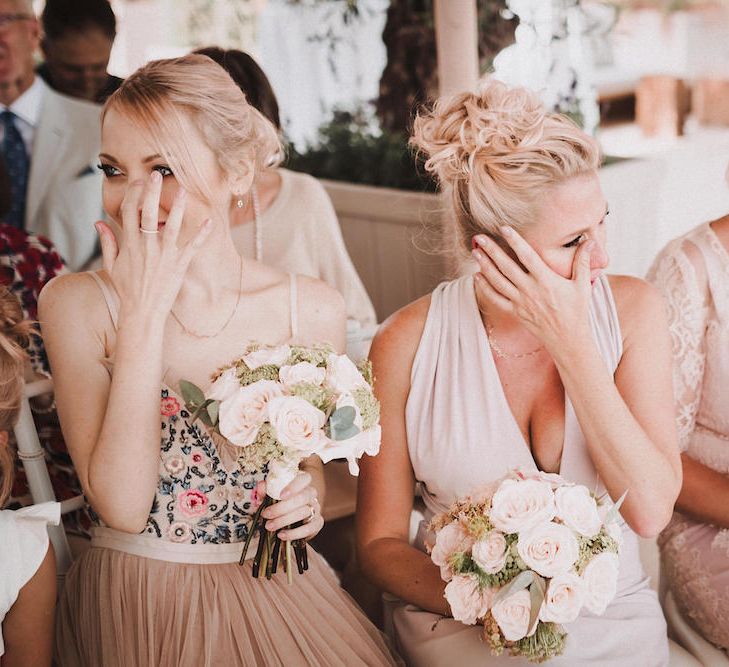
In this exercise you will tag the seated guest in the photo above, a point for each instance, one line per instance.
(540, 361)
(77, 40)
(692, 273)
(49, 144)
(27, 565)
(288, 221)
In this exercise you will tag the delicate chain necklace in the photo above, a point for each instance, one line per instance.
(503, 354)
(195, 334)
(257, 224)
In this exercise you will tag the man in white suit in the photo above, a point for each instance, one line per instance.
(50, 144)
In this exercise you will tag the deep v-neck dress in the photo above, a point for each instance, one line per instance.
(461, 436)
(175, 596)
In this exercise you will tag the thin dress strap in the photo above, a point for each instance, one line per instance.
(111, 303)
(294, 308)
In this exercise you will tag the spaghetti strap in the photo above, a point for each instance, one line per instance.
(294, 306)
(111, 303)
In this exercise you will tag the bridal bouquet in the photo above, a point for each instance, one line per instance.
(524, 557)
(279, 405)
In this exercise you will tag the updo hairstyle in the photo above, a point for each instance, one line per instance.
(14, 338)
(496, 152)
(161, 94)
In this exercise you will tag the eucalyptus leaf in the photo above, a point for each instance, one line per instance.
(518, 583)
(537, 593)
(213, 412)
(193, 395)
(612, 513)
(341, 423)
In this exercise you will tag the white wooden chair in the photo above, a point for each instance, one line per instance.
(32, 455)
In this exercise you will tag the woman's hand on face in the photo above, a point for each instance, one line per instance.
(553, 308)
(298, 502)
(148, 269)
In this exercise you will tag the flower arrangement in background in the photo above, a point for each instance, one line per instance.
(278, 406)
(524, 557)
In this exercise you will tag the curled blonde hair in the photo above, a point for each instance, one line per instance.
(14, 336)
(496, 152)
(162, 94)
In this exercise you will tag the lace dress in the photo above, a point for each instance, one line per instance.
(175, 596)
(695, 555)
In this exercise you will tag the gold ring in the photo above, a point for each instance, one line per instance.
(148, 231)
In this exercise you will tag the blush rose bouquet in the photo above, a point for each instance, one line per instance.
(524, 557)
(279, 405)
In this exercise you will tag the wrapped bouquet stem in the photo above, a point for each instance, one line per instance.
(277, 406)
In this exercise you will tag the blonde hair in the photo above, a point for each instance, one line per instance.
(163, 93)
(14, 334)
(496, 152)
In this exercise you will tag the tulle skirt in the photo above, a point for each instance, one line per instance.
(123, 609)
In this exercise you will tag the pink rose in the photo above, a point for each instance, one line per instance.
(192, 503)
(267, 356)
(564, 599)
(258, 494)
(280, 475)
(452, 538)
(225, 385)
(578, 509)
(512, 616)
(519, 505)
(342, 375)
(303, 372)
(600, 579)
(489, 552)
(169, 406)
(549, 549)
(243, 413)
(467, 602)
(297, 423)
(553, 479)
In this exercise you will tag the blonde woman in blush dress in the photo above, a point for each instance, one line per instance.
(693, 274)
(161, 584)
(539, 361)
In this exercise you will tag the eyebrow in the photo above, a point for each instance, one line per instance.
(574, 235)
(149, 158)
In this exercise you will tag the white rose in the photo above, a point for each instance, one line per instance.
(450, 539)
(365, 442)
(301, 372)
(267, 356)
(553, 479)
(489, 552)
(600, 579)
(243, 413)
(342, 375)
(549, 549)
(278, 478)
(225, 386)
(578, 509)
(512, 615)
(519, 505)
(297, 424)
(466, 600)
(564, 599)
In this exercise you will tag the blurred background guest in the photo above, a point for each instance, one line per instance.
(77, 40)
(692, 272)
(49, 143)
(288, 221)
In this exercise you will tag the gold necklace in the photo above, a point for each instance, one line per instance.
(503, 354)
(195, 334)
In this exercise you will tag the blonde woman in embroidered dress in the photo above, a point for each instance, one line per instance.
(539, 361)
(27, 563)
(693, 274)
(161, 584)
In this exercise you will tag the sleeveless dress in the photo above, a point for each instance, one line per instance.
(175, 595)
(461, 436)
(695, 555)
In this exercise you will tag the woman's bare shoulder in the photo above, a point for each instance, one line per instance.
(399, 335)
(639, 304)
(72, 293)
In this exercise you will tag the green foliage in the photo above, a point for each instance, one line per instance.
(368, 405)
(347, 149)
(320, 397)
(546, 642)
(248, 376)
(341, 423)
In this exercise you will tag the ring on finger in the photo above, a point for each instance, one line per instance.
(148, 231)
(312, 514)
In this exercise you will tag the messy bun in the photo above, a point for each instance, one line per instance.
(14, 337)
(495, 152)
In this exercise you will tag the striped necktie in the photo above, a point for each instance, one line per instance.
(17, 163)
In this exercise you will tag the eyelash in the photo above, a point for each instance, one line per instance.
(577, 240)
(111, 171)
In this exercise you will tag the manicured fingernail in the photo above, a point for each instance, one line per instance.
(482, 241)
(476, 254)
(506, 230)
